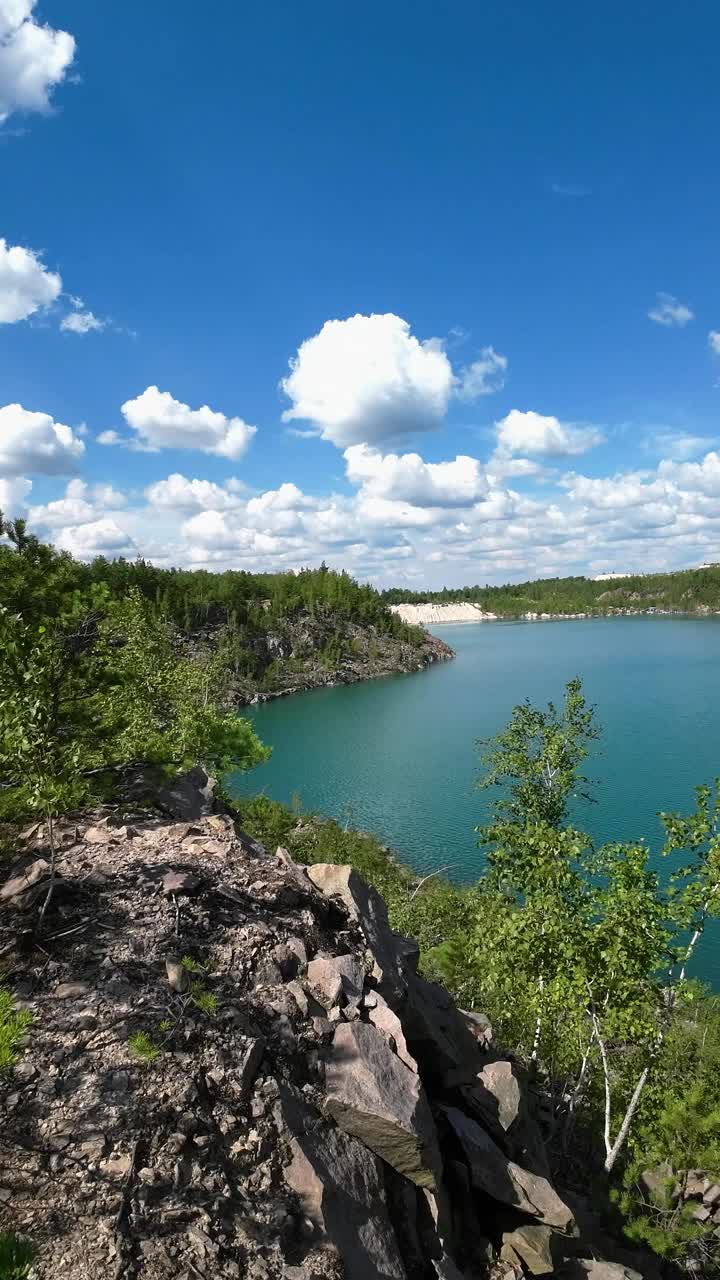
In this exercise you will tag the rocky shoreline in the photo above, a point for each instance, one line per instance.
(298, 666)
(233, 1070)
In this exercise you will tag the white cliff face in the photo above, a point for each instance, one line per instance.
(425, 614)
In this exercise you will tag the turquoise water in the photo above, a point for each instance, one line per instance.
(397, 756)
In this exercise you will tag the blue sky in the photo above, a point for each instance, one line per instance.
(485, 237)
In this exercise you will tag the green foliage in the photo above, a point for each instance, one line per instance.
(85, 695)
(190, 965)
(14, 1024)
(203, 999)
(683, 1133)
(538, 756)
(144, 1047)
(16, 1256)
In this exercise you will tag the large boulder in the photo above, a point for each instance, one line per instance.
(494, 1174)
(340, 1188)
(438, 1036)
(531, 1245)
(498, 1100)
(375, 1097)
(366, 907)
(188, 796)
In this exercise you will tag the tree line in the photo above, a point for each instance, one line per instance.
(685, 591)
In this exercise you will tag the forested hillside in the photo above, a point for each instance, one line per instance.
(274, 632)
(686, 591)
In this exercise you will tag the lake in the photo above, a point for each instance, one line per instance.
(398, 757)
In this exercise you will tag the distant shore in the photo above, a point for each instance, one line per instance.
(438, 614)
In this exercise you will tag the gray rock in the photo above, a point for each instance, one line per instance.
(325, 981)
(374, 1096)
(181, 882)
(494, 1174)
(250, 1064)
(593, 1269)
(437, 1035)
(177, 976)
(500, 1081)
(352, 974)
(532, 1244)
(386, 1020)
(71, 990)
(28, 873)
(188, 796)
(339, 1185)
(497, 1100)
(98, 835)
(366, 906)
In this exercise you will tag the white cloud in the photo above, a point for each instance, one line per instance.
(161, 422)
(13, 494)
(714, 341)
(537, 434)
(26, 285)
(703, 477)
(110, 438)
(679, 444)
(102, 537)
(34, 58)
(82, 504)
(81, 322)
(33, 443)
(368, 379)
(408, 478)
(613, 492)
(483, 377)
(177, 493)
(670, 312)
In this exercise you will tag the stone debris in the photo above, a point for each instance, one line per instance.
(502, 1179)
(234, 1072)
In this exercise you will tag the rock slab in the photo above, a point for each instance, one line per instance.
(375, 1097)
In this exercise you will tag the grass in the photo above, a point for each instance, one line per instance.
(203, 999)
(143, 1046)
(13, 1025)
(16, 1256)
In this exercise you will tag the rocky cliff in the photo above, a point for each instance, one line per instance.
(233, 1070)
(318, 650)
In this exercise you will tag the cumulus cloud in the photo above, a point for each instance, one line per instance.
(670, 312)
(714, 341)
(102, 537)
(408, 478)
(13, 494)
(81, 322)
(538, 434)
(34, 444)
(483, 377)
(81, 504)
(26, 285)
(701, 476)
(368, 379)
(612, 492)
(177, 493)
(34, 58)
(161, 422)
